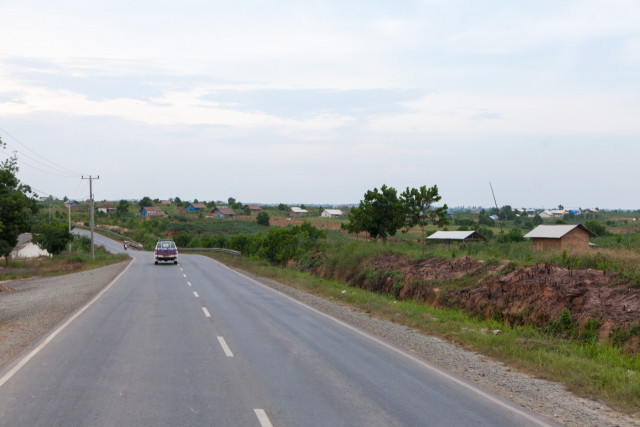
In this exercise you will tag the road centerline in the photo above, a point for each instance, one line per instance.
(206, 312)
(263, 418)
(225, 347)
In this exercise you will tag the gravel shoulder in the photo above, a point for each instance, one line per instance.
(35, 306)
(542, 397)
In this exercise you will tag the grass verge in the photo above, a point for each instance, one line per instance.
(588, 369)
(64, 263)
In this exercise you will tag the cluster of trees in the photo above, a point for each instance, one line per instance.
(381, 213)
(18, 214)
(17, 207)
(278, 245)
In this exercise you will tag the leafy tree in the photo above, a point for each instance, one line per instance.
(52, 237)
(380, 213)
(418, 206)
(597, 227)
(182, 239)
(507, 213)
(514, 235)
(16, 208)
(231, 201)
(145, 202)
(263, 218)
(537, 219)
(283, 207)
(122, 209)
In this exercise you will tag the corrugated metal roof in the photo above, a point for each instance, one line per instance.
(450, 235)
(554, 231)
(299, 210)
(334, 211)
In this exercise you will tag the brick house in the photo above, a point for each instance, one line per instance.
(560, 237)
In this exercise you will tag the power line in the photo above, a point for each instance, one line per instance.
(59, 167)
(22, 162)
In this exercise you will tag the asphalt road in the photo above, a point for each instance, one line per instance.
(199, 344)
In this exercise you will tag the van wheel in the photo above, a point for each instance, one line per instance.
(156, 262)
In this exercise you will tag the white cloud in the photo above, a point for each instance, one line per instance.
(455, 115)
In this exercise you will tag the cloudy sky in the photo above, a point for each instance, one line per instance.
(317, 102)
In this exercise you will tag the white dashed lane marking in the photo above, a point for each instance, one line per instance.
(206, 312)
(225, 347)
(196, 294)
(184, 275)
(189, 283)
(262, 417)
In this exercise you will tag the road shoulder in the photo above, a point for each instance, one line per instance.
(35, 306)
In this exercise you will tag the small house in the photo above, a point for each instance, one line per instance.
(560, 237)
(224, 212)
(196, 207)
(297, 212)
(106, 208)
(151, 212)
(255, 209)
(331, 213)
(456, 236)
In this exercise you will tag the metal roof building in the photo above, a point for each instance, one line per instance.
(460, 236)
(560, 237)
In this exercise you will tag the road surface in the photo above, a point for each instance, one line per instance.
(199, 344)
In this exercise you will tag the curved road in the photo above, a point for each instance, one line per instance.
(199, 344)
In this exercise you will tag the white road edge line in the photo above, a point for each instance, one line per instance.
(206, 312)
(439, 371)
(52, 335)
(262, 417)
(196, 294)
(225, 347)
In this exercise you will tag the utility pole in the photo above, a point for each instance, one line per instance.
(69, 206)
(91, 178)
(499, 222)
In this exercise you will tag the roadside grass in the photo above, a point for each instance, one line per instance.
(63, 263)
(586, 368)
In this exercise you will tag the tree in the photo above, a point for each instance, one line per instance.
(263, 218)
(419, 210)
(283, 207)
(16, 207)
(597, 227)
(52, 237)
(145, 202)
(380, 214)
(231, 201)
(537, 219)
(123, 208)
(182, 239)
(514, 235)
